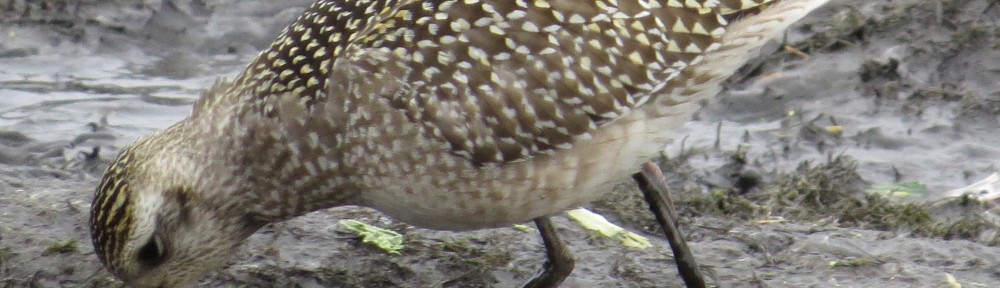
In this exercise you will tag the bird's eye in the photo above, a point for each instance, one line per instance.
(151, 254)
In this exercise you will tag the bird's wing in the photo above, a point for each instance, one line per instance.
(502, 81)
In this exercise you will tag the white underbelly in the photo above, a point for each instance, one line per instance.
(473, 198)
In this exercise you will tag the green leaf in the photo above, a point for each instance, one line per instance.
(593, 221)
(384, 239)
(904, 190)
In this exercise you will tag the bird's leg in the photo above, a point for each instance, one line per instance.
(560, 260)
(654, 187)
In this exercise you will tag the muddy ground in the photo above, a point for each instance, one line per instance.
(773, 179)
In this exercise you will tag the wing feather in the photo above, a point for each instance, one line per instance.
(501, 82)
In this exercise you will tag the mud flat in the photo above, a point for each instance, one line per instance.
(824, 164)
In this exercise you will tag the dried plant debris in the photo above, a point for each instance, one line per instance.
(61, 247)
(831, 193)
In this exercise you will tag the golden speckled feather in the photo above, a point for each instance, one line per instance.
(497, 80)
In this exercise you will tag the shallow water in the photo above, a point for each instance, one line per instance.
(52, 97)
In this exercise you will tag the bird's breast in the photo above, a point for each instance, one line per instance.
(433, 188)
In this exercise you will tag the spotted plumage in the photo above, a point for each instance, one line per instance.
(447, 114)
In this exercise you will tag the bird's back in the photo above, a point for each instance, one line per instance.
(463, 113)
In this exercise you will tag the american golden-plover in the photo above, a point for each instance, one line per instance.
(444, 114)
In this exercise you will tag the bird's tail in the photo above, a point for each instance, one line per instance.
(752, 28)
(752, 24)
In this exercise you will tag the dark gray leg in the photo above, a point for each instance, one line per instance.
(654, 186)
(560, 260)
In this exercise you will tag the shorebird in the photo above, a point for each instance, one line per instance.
(444, 114)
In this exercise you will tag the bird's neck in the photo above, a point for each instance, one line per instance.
(274, 173)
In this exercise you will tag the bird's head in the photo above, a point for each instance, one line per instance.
(153, 221)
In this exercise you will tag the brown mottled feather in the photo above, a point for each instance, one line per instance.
(498, 81)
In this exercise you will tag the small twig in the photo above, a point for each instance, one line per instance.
(797, 52)
(718, 136)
